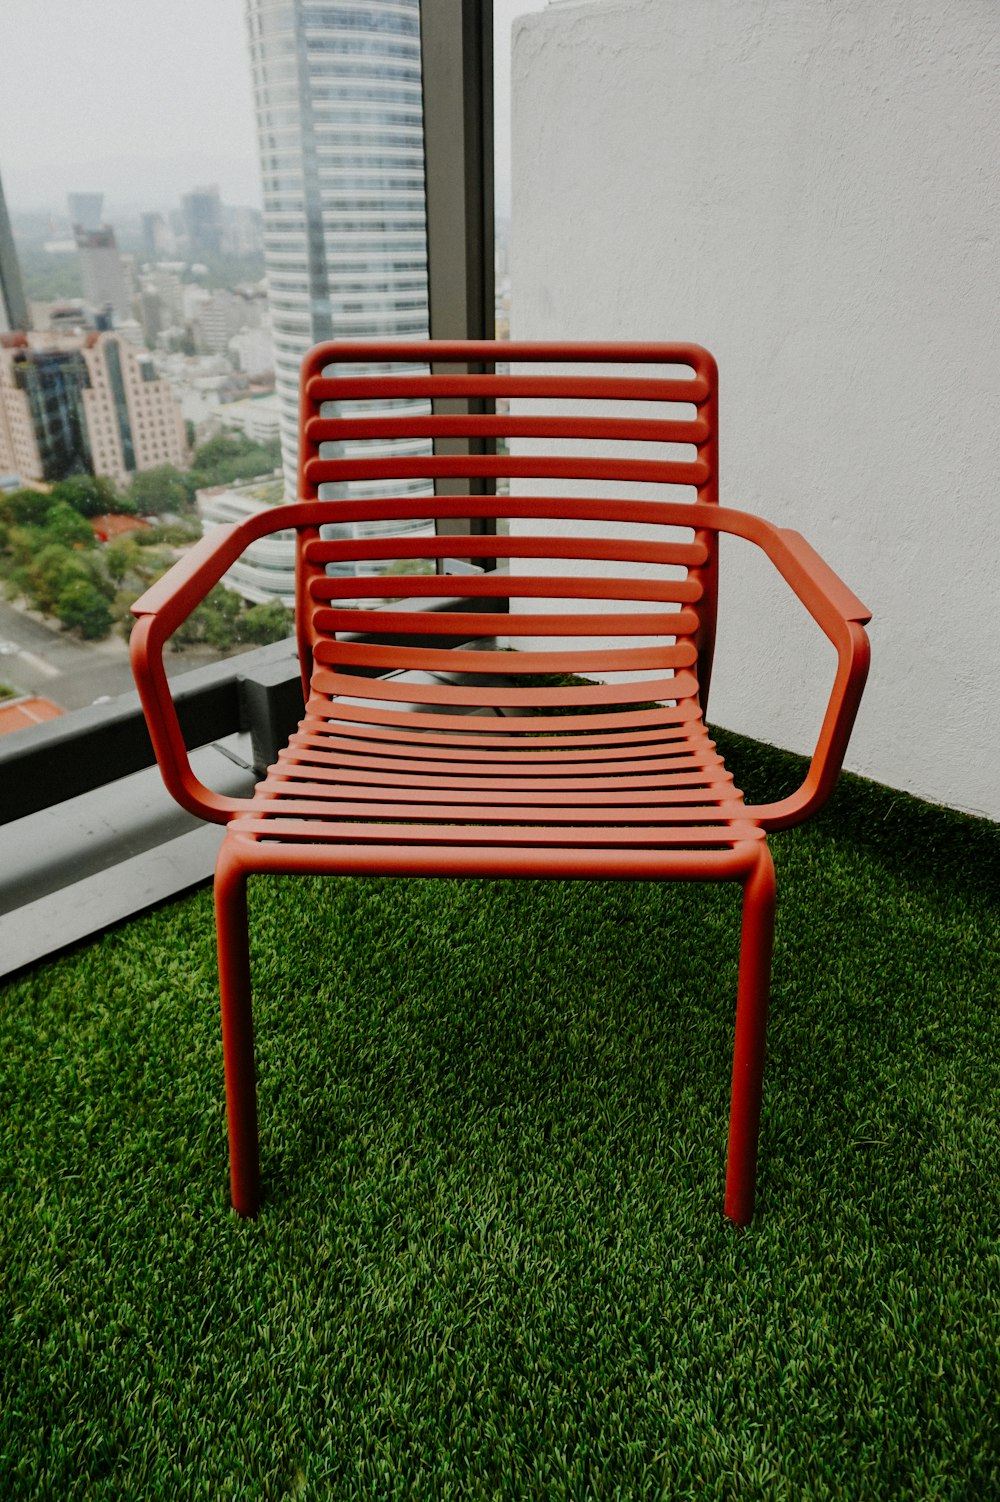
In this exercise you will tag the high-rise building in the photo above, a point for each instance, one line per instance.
(158, 238)
(43, 424)
(340, 130)
(70, 403)
(221, 315)
(202, 210)
(13, 304)
(242, 233)
(85, 209)
(170, 289)
(105, 283)
(151, 314)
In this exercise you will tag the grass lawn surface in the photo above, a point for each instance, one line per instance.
(492, 1261)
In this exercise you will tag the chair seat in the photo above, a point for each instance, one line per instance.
(508, 787)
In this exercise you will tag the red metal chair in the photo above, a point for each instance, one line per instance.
(474, 770)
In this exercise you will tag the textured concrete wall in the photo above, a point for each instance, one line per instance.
(811, 188)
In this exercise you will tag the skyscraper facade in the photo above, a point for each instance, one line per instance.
(13, 304)
(101, 271)
(202, 210)
(338, 100)
(76, 403)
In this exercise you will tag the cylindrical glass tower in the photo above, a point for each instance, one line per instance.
(339, 120)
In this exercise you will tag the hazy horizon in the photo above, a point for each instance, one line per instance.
(72, 99)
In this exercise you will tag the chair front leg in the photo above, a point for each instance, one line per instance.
(237, 1031)
(756, 944)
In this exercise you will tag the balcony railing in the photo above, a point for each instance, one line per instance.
(90, 836)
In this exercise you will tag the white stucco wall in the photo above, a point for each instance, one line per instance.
(811, 188)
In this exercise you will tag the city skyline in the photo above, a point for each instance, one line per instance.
(197, 89)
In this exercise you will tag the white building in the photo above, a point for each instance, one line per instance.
(266, 570)
(218, 318)
(194, 298)
(256, 417)
(340, 129)
(252, 351)
(105, 278)
(166, 283)
(242, 230)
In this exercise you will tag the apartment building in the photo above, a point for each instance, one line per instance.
(71, 402)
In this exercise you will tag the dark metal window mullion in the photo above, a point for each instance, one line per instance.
(456, 38)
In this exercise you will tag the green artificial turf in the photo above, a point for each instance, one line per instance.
(492, 1260)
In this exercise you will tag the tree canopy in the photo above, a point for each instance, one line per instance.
(91, 495)
(164, 489)
(25, 508)
(82, 607)
(64, 524)
(230, 457)
(49, 554)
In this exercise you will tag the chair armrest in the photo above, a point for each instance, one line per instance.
(160, 610)
(842, 617)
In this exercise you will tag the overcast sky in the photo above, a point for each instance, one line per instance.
(144, 99)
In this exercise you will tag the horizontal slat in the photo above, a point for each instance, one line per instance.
(603, 510)
(298, 777)
(578, 811)
(683, 685)
(475, 353)
(355, 762)
(410, 766)
(346, 550)
(500, 766)
(516, 750)
(493, 585)
(566, 805)
(507, 425)
(473, 624)
(379, 772)
(568, 467)
(459, 660)
(344, 832)
(558, 387)
(323, 712)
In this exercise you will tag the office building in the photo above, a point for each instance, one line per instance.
(340, 128)
(105, 283)
(256, 417)
(168, 286)
(242, 233)
(252, 352)
(13, 304)
(158, 238)
(218, 317)
(92, 402)
(43, 422)
(266, 571)
(202, 210)
(85, 210)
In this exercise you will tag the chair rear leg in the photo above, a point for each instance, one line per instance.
(237, 1032)
(756, 944)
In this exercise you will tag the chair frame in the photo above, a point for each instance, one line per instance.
(247, 849)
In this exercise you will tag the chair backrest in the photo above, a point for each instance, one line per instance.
(584, 434)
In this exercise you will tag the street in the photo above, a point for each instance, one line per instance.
(42, 660)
